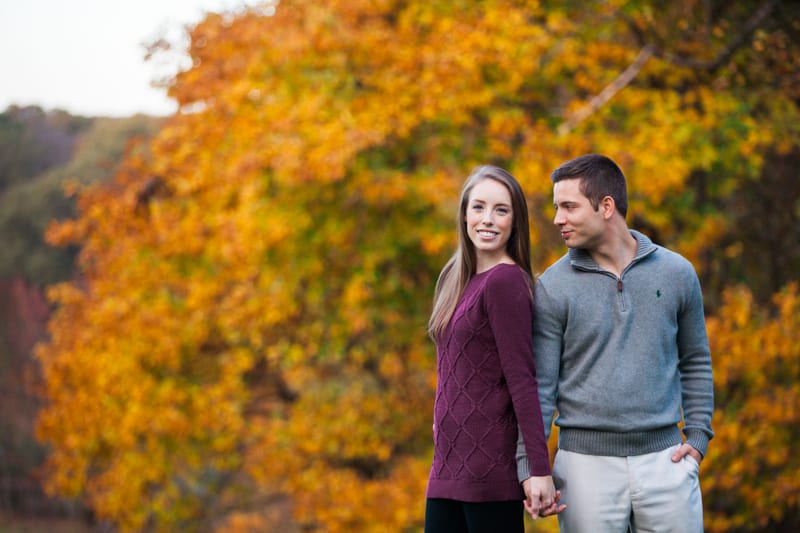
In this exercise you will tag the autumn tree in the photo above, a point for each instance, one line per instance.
(755, 478)
(248, 339)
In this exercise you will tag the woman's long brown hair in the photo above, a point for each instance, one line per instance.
(462, 265)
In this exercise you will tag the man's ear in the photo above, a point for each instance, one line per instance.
(608, 206)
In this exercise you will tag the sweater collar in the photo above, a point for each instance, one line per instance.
(582, 260)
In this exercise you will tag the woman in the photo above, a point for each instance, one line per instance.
(486, 391)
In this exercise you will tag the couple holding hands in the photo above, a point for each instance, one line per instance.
(612, 336)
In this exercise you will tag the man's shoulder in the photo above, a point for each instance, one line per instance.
(561, 267)
(672, 259)
(647, 247)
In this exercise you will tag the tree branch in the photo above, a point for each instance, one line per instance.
(651, 50)
(752, 24)
(610, 90)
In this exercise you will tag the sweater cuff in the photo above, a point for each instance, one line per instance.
(698, 440)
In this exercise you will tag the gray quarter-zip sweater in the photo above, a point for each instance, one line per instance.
(622, 357)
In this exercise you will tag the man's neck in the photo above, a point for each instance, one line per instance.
(616, 252)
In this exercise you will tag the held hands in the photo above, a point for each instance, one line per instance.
(541, 497)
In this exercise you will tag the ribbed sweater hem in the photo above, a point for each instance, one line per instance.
(593, 442)
(475, 491)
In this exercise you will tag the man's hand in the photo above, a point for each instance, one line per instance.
(685, 449)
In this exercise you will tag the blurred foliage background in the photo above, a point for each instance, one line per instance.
(237, 294)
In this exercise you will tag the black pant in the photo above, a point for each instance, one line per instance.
(451, 516)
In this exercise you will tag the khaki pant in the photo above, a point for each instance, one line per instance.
(648, 493)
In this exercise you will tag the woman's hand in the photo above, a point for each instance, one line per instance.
(541, 497)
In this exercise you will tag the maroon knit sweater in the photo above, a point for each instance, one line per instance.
(486, 388)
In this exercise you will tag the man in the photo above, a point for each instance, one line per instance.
(621, 352)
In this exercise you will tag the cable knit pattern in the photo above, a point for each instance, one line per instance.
(487, 386)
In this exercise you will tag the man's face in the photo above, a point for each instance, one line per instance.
(581, 226)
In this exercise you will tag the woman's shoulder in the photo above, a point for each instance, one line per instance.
(506, 274)
(505, 269)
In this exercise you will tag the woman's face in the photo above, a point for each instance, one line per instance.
(489, 220)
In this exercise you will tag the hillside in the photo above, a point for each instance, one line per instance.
(39, 152)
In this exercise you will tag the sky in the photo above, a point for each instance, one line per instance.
(87, 56)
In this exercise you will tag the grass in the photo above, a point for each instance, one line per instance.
(12, 523)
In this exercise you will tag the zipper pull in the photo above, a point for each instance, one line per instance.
(619, 285)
